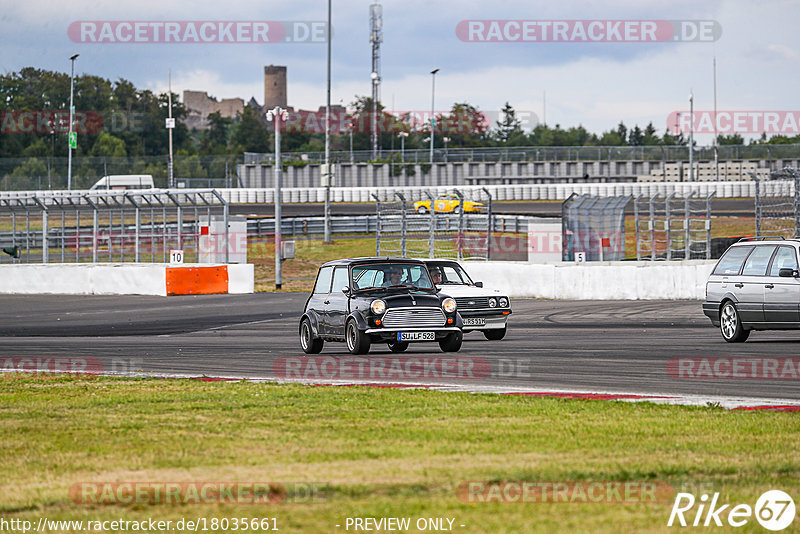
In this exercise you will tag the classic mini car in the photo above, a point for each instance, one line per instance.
(480, 308)
(378, 300)
(447, 204)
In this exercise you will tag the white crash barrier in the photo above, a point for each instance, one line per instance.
(109, 278)
(622, 280)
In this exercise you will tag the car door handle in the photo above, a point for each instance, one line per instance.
(769, 286)
(739, 285)
(327, 302)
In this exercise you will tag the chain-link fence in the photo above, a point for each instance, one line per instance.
(448, 226)
(778, 204)
(113, 226)
(593, 227)
(669, 226)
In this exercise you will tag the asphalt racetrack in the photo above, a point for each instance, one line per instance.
(645, 347)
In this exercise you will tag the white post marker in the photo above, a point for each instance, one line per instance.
(580, 257)
(176, 256)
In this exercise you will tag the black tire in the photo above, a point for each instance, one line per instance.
(730, 325)
(495, 334)
(451, 343)
(310, 344)
(357, 341)
(457, 210)
(422, 210)
(399, 346)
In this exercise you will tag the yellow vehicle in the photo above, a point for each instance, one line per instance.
(447, 204)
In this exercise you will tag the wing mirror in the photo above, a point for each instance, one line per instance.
(788, 273)
(346, 290)
(478, 284)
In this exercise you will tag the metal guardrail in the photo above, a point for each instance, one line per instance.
(290, 226)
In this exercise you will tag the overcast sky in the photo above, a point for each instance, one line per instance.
(595, 84)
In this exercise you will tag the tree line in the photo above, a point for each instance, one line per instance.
(120, 120)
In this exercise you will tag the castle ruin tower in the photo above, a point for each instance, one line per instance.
(274, 86)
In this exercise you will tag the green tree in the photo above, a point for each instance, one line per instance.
(250, 132)
(509, 128)
(108, 145)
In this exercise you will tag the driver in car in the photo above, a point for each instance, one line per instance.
(395, 276)
(436, 275)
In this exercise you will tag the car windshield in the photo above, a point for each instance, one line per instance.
(387, 276)
(449, 273)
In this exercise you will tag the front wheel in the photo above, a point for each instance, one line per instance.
(451, 343)
(495, 334)
(422, 210)
(730, 325)
(310, 344)
(357, 341)
(399, 346)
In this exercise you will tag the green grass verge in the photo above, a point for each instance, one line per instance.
(373, 452)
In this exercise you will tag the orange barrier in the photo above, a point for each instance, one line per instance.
(197, 280)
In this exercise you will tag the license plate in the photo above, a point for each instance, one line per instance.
(416, 336)
(474, 321)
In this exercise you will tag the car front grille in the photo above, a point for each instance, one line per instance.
(413, 317)
(470, 303)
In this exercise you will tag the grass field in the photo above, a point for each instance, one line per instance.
(373, 452)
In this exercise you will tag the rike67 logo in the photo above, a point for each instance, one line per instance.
(774, 510)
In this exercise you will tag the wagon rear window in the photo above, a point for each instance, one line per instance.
(731, 262)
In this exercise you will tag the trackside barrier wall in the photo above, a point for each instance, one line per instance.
(122, 279)
(498, 192)
(619, 280)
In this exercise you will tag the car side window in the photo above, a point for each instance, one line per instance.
(785, 258)
(756, 263)
(451, 276)
(732, 260)
(323, 284)
(339, 279)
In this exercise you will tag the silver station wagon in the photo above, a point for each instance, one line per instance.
(755, 286)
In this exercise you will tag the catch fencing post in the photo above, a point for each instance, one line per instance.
(460, 238)
(686, 236)
(377, 224)
(431, 225)
(708, 225)
(489, 225)
(758, 202)
(668, 224)
(45, 222)
(402, 224)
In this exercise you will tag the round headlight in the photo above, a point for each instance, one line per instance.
(503, 302)
(449, 305)
(492, 302)
(378, 306)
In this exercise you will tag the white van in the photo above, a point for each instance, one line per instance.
(124, 181)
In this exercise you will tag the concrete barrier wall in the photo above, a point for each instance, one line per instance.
(108, 278)
(621, 280)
